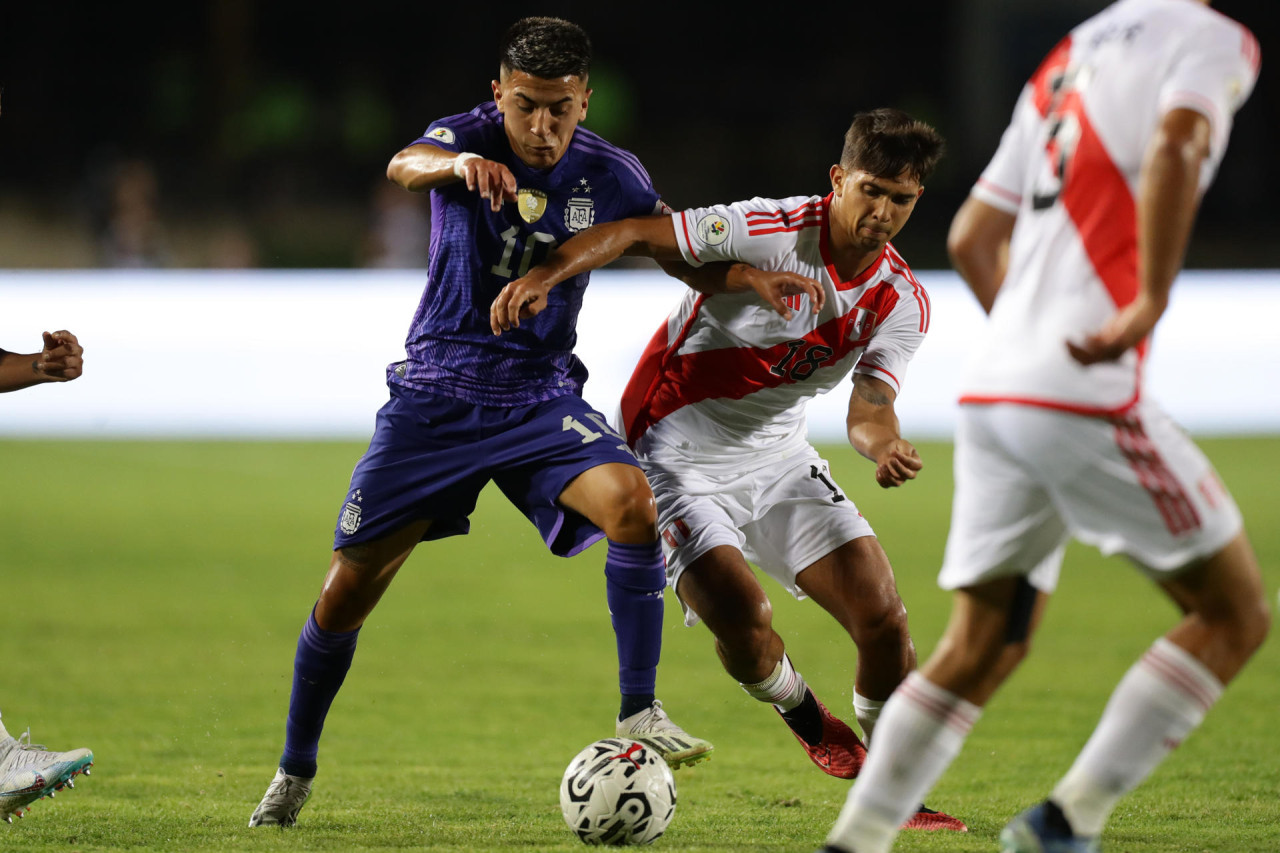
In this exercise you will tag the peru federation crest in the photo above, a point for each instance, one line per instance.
(860, 326)
(532, 204)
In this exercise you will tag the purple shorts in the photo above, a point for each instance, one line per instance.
(431, 455)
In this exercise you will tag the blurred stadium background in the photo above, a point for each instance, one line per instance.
(235, 134)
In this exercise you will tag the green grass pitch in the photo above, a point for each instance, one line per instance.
(154, 593)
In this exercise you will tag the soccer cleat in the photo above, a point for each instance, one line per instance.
(929, 820)
(285, 797)
(1044, 829)
(29, 772)
(840, 753)
(653, 727)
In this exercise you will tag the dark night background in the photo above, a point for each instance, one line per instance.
(243, 134)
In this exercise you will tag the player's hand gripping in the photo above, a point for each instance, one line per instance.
(773, 286)
(62, 359)
(1126, 328)
(897, 463)
(491, 179)
(519, 300)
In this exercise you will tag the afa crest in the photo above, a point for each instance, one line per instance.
(580, 214)
(349, 522)
(532, 204)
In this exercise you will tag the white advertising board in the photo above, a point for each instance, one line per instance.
(302, 355)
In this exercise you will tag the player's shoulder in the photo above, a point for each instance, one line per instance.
(1196, 26)
(593, 149)
(895, 270)
(787, 208)
(791, 215)
(1227, 34)
(908, 301)
(454, 131)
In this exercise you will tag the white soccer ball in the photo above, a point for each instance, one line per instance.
(618, 791)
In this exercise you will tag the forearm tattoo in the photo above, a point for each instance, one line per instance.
(870, 394)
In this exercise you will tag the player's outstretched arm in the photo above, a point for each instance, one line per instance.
(423, 167)
(773, 286)
(1168, 197)
(978, 244)
(61, 360)
(873, 431)
(652, 236)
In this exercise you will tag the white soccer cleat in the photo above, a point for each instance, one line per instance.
(285, 797)
(652, 726)
(29, 772)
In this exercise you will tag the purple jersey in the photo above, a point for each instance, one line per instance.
(475, 252)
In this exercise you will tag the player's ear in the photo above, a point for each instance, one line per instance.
(837, 177)
(586, 97)
(497, 93)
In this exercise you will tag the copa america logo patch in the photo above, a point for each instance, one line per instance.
(713, 229)
(442, 134)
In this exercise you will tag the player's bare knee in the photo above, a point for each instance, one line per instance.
(1248, 628)
(1011, 656)
(970, 662)
(632, 517)
(746, 652)
(744, 633)
(879, 626)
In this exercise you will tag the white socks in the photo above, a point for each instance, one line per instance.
(919, 734)
(867, 712)
(784, 687)
(1154, 707)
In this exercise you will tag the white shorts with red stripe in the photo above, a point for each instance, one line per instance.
(1029, 478)
(783, 515)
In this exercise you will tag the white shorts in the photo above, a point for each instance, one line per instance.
(783, 516)
(1028, 478)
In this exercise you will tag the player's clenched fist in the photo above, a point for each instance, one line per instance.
(62, 358)
(897, 464)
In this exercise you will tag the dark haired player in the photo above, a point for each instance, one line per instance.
(509, 181)
(715, 413)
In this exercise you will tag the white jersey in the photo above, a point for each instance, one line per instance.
(1068, 168)
(727, 374)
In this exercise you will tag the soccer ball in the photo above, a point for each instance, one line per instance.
(618, 791)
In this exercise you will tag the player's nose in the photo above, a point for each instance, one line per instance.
(541, 125)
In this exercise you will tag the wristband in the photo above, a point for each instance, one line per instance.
(462, 160)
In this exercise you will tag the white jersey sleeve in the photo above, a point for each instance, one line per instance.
(1213, 73)
(1001, 182)
(894, 343)
(759, 232)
